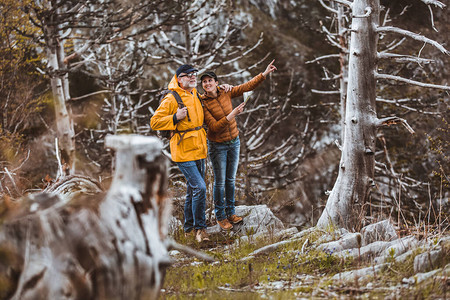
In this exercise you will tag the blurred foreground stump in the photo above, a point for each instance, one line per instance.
(92, 245)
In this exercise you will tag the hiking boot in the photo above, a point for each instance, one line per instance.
(225, 224)
(234, 219)
(201, 235)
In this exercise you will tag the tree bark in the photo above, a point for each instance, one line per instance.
(102, 246)
(60, 88)
(352, 187)
(343, 62)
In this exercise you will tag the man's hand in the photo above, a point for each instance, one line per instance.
(181, 113)
(226, 87)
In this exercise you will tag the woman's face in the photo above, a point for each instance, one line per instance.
(209, 84)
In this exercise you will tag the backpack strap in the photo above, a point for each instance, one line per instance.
(182, 133)
(180, 102)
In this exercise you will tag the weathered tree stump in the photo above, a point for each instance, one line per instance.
(102, 246)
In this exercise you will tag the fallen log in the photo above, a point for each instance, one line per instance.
(97, 245)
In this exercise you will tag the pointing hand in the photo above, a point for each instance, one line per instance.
(270, 68)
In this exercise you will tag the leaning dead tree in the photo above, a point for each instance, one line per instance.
(94, 245)
(356, 172)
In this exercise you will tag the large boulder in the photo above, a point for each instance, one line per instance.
(428, 261)
(348, 241)
(258, 219)
(381, 231)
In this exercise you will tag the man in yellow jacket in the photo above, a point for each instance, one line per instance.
(187, 145)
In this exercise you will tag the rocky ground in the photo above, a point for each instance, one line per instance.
(262, 259)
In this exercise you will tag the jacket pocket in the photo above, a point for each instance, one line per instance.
(191, 142)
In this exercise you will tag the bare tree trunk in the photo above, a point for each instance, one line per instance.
(343, 61)
(97, 246)
(60, 89)
(352, 187)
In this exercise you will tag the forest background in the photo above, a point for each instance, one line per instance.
(109, 67)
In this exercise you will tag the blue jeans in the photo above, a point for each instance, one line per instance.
(195, 204)
(224, 159)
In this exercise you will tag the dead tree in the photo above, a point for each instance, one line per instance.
(356, 173)
(138, 63)
(95, 245)
(85, 24)
(202, 36)
(339, 40)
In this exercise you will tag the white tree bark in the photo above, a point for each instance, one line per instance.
(356, 170)
(60, 88)
(97, 246)
(343, 61)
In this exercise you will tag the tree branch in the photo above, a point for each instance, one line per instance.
(331, 39)
(344, 2)
(327, 7)
(325, 92)
(323, 57)
(413, 35)
(91, 94)
(434, 2)
(171, 244)
(397, 102)
(394, 120)
(404, 58)
(394, 44)
(418, 83)
(309, 106)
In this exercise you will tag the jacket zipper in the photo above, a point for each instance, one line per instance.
(223, 110)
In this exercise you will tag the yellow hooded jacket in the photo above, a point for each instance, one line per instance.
(193, 145)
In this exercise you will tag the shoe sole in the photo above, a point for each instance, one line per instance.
(225, 228)
(234, 223)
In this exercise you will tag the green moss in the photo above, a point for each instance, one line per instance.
(396, 271)
(292, 263)
(190, 279)
(231, 272)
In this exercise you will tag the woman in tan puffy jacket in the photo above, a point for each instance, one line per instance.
(223, 140)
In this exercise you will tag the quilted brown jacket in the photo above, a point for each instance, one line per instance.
(216, 110)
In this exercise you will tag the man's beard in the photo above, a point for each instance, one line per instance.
(192, 84)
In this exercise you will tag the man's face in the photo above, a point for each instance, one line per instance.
(187, 81)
